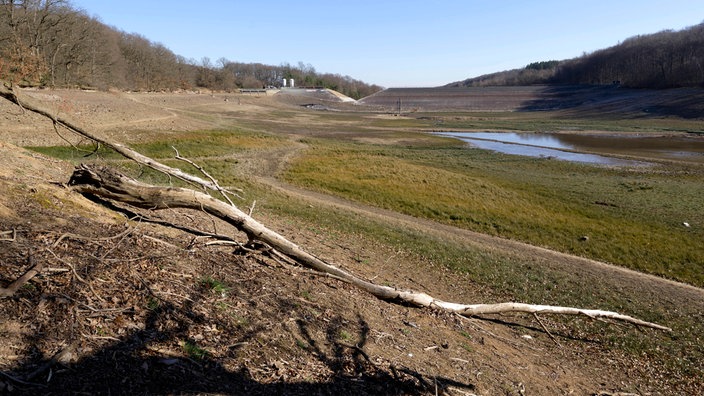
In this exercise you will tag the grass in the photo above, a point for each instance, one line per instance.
(194, 145)
(631, 217)
(213, 285)
(193, 351)
(546, 122)
(345, 335)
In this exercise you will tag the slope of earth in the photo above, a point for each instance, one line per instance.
(126, 307)
(123, 305)
(614, 100)
(447, 99)
(573, 100)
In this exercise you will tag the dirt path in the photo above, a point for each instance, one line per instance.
(587, 269)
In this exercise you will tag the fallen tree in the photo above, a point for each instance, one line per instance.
(107, 183)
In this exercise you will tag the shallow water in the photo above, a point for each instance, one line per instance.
(570, 147)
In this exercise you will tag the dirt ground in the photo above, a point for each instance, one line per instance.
(125, 304)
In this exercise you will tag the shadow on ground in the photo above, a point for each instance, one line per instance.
(130, 366)
(602, 100)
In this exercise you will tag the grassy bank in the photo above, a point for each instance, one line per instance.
(630, 217)
(503, 276)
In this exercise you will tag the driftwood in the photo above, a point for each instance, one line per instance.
(109, 184)
(106, 183)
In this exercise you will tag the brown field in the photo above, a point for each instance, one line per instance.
(137, 307)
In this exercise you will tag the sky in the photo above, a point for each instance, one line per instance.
(393, 43)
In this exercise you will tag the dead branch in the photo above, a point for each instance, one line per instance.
(10, 290)
(109, 184)
(13, 96)
(20, 381)
(62, 356)
(545, 329)
(12, 232)
(221, 190)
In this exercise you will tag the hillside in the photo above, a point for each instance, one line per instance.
(568, 100)
(127, 304)
(667, 59)
(53, 44)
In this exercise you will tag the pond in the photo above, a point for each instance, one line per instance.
(588, 148)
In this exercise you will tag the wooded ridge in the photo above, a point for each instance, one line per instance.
(668, 59)
(50, 43)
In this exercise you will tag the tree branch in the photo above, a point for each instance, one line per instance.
(10, 290)
(12, 95)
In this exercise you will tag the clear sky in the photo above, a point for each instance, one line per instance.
(393, 43)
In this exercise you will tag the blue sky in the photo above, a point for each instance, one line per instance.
(404, 43)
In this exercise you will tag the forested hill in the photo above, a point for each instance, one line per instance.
(667, 59)
(50, 43)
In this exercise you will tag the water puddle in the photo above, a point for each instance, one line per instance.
(571, 147)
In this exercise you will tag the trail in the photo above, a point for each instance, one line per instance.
(619, 278)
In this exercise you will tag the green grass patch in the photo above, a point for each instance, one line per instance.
(213, 285)
(629, 217)
(547, 122)
(193, 145)
(193, 351)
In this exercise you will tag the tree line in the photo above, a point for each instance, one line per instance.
(49, 43)
(667, 59)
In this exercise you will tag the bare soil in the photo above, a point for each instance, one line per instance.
(126, 305)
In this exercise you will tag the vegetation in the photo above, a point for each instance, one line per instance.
(49, 43)
(539, 201)
(668, 59)
(214, 285)
(631, 217)
(525, 76)
(547, 65)
(503, 275)
(193, 351)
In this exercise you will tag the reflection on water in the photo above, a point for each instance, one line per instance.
(530, 139)
(568, 147)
